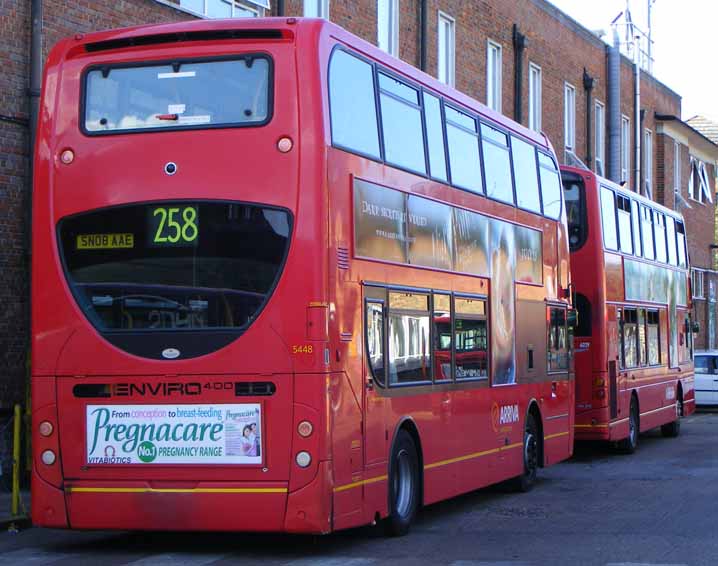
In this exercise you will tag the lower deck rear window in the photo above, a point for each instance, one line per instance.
(174, 266)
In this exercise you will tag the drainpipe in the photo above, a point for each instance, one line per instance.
(588, 82)
(424, 35)
(637, 114)
(614, 110)
(280, 8)
(520, 43)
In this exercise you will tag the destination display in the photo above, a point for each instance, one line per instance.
(393, 226)
(174, 434)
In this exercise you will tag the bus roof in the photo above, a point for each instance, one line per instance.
(287, 29)
(622, 190)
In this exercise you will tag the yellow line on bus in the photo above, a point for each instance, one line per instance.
(590, 426)
(360, 482)
(471, 456)
(176, 490)
(550, 436)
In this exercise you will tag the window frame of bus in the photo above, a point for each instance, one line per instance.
(443, 101)
(550, 307)
(556, 169)
(374, 296)
(509, 149)
(618, 206)
(487, 381)
(601, 190)
(578, 181)
(182, 60)
(389, 310)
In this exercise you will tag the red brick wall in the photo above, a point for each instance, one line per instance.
(60, 18)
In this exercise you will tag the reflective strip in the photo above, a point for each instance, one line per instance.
(550, 436)
(659, 409)
(176, 490)
(360, 482)
(471, 456)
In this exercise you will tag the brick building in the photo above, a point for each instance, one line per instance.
(525, 58)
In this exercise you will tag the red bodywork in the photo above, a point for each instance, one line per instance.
(598, 274)
(307, 340)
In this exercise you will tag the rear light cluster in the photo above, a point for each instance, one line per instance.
(599, 389)
(304, 458)
(46, 429)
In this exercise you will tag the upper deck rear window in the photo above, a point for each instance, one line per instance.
(178, 95)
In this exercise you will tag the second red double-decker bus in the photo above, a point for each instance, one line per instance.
(633, 345)
(277, 283)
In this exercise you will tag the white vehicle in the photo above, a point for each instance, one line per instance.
(706, 370)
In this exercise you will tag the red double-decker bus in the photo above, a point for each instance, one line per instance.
(633, 345)
(277, 283)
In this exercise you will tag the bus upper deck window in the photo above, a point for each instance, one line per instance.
(574, 196)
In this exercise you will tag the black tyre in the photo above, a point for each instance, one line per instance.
(403, 485)
(671, 430)
(531, 452)
(630, 443)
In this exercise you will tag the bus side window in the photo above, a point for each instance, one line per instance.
(629, 338)
(352, 105)
(525, 175)
(608, 216)
(636, 220)
(642, 344)
(659, 236)
(647, 233)
(625, 238)
(401, 124)
(497, 164)
(409, 346)
(681, 237)
(462, 140)
(557, 339)
(653, 335)
(671, 234)
(550, 186)
(471, 338)
(435, 137)
(375, 339)
(443, 343)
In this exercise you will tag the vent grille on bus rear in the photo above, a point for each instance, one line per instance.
(343, 258)
(207, 35)
(254, 388)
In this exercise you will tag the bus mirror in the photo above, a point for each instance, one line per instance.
(572, 317)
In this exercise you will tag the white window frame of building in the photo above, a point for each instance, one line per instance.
(316, 9)
(676, 167)
(387, 26)
(648, 163)
(446, 49)
(534, 97)
(625, 150)
(698, 182)
(569, 117)
(600, 137)
(240, 9)
(493, 75)
(697, 281)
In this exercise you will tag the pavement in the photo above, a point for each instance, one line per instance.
(657, 507)
(22, 520)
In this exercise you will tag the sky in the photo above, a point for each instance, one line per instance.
(685, 34)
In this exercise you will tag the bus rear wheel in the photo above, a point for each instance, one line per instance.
(671, 430)
(403, 485)
(629, 444)
(527, 479)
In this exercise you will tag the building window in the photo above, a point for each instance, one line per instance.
(600, 139)
(648, 163)
(697, 283)
(388, 26)
(625, 148)
(316, 9)
(226, 8)
(676, 167)
(493, 76)
(446, 54)
(698, 185)
(534, 97)
(569, 117)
